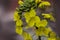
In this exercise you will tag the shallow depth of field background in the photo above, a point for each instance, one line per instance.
(7, 25)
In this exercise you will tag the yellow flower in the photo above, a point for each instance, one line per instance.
(19, 23)
(40, 23)
(16, 16)
(42, 31)
(37, 20)
(20, 2)
(27, 36)
(39, 32)
(51, 38)
(27, 16)
(46, 31)
(52, 18)
(49, 16)
(32, 13)
(49, 29)
(43, 23)
(44, 3)
(46, 15)
(52, 35)
(19, 30)
(37, 1)
(31, 22)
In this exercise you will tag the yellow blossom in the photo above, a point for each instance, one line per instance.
(52, 34)
(19, 30)
(44, 3)
(32, 13)
(20, 2)
(37, 1)
(46, 15)
(27, 36)
(31, 22)
(38, 32)
(37, 20)
(52, 18)
(19, 23)
(47, 31)
(43, 23)
(27, 17)
(42, 31)
(40, 23)
(51, 38)
(16, 16)
(49, 16)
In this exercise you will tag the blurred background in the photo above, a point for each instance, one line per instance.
(7, 25)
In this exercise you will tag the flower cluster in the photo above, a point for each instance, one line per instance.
(27, 10)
